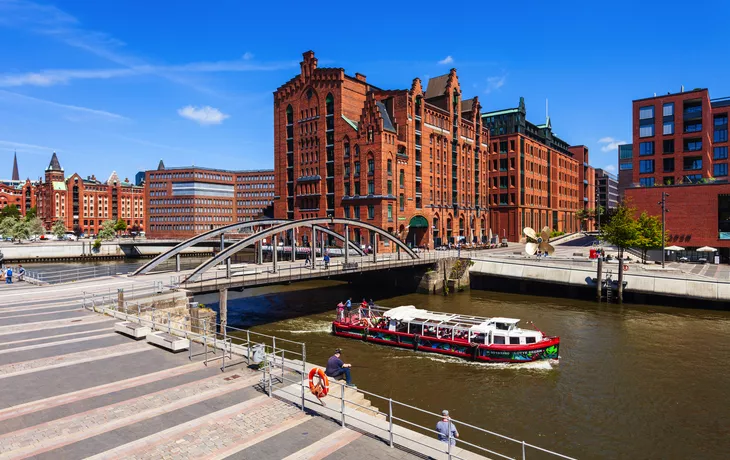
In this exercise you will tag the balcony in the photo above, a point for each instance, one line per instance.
(692, 113)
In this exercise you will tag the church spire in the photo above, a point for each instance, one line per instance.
(16, 176)
(54, 165)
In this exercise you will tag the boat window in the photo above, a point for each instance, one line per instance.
(502, 326)
(529, 339)
(514, 340)
(499, 339)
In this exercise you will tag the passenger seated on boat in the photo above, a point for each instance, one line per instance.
(400, 326)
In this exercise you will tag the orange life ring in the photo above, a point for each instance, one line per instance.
(320, 389)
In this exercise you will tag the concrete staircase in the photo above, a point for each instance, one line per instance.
(354, 400)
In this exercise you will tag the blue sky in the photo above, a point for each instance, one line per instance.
(118, 85)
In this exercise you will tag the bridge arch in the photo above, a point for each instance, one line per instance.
(230, 250)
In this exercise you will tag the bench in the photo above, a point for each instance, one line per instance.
(134, 330)
(349, 266)
(168, 341)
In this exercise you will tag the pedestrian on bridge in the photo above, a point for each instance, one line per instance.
(326, 261)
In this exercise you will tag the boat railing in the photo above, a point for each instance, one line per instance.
(400, 424)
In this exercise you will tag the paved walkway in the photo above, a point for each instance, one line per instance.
(72, 388)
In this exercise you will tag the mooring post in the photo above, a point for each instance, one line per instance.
(599, 279)
(223, 308)
(620, 280)
(177, 262)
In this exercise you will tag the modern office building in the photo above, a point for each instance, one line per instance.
(625, 168)
(184, 201)
(84, 203)
(424, 163)
(606, 189)
(681, 148)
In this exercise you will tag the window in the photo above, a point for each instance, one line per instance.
(357, 188)
(371, 166)
(646, 182)
(402, 202)
(646, 112)
(721, 128)
(721, 120)
(390, 213)
(371, 187)
(646, 148)
(625, 151)
(371, 211)
(390, 167)
(668, 127)
(402, 178)
(668, 109)
(668, 165)
(720, 169)
(721, 135)
(692, 163)
(646, 131)
(669, 180)
(347, 212)
(693, 178)
(692, 145)
(668, 146)
(625, 166)
(692, 127)
(720, 153)
(357, 168)
(347, 169)
(357, 212)
(646, 166)
(390, 187)
(499, 339)
(347, 189)
(514, 340)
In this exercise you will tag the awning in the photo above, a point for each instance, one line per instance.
(418, 222)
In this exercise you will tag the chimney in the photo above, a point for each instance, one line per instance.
(361, 77)
(682, 89)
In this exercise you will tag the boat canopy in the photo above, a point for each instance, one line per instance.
(410, 313)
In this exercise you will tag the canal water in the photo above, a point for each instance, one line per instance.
(632, 381)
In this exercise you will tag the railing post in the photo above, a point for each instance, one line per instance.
(169, 323)
(448, 452)
(248, 344)
(390, 420)
(523, 450)
(342, 401)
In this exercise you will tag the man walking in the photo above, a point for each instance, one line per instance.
(336, 368)
(446, 427)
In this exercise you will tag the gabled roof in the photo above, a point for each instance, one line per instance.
(54, 165)
(437, 86)
(387, 124)
(113, 178)
(467, 105)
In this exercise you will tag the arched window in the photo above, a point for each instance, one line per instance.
(330, 102)
(390, 167)
(347, 149)
(289, 115)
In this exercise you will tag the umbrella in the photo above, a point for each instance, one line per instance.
(674, 248)
(706, 249)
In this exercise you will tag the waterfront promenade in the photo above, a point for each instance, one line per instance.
(73, 388)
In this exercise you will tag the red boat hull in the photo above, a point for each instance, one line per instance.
(546, 349)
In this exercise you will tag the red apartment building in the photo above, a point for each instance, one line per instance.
(680, 146)
(415, 162)
(185, 201)
(83, 204)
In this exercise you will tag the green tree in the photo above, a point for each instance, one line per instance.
(59, 229)
(31, 214)
(107, 230)
(7, 224)
(583, 215)
(10, 210)
(649, 234)
(622, 230)
(120, 226)
(35, 225)
(21, 230)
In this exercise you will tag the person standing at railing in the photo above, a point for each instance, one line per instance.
(326, 261)
(21, 272)
(446, 429)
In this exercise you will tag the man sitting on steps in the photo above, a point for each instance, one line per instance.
(337, 368)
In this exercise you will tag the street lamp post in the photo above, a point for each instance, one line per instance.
(663, 204)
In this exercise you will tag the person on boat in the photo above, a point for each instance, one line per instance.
(363, 308)
(340, 311)
(446, 427)
(348, 307)
(336, 368)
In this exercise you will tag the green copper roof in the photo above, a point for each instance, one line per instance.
(499, 112)
(59, 186)
(350, 122)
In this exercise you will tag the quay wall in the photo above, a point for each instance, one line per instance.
(578, 282)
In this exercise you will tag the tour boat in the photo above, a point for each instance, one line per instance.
(471, 337)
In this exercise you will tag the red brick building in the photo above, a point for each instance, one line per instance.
(185, 201)
(416, 162)
(21, 193)
(83, 204)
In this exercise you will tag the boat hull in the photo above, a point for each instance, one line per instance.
(546, 349)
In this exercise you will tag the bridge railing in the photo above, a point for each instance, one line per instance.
(70, 274)
(287, 271)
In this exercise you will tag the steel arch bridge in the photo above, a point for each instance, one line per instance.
(146, 268)
(289, 225)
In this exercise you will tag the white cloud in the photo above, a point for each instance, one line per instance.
(610, 168)
(57, 77)
(72, 108)
(447, 60)
(610, 144)
(494, 83)
(205, 115)
(247, 55)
